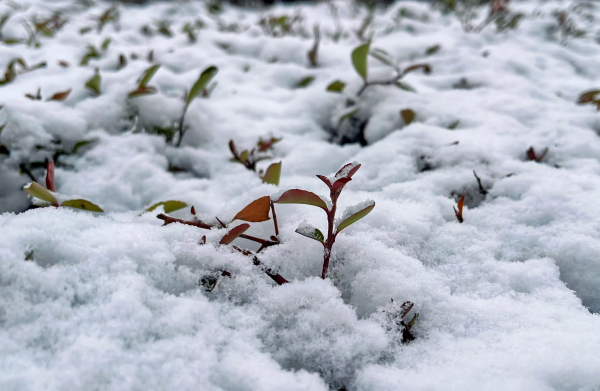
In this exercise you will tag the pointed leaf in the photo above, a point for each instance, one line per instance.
(348, 115)
(106, 43)
(407, 115)
(61, 95)
(348, 170)
(305, 82)
(298, 196)
(325, 180)
(405, 308)
(273, 174)
(94, 83)
(148, 74)
(461, 203)
(432, 50)
(354, 213)
(383, 56)
(205, 77)
(38, 191)
(359, 59)
(170, 206)
(256, 211)
(336, 86)
(410, 324)
(244, 156)
(82, 204)
(339, 184)
(404, 86)
(81, 144)
(50, 176)
(588, 96)
(309, 231)
(233, 149)
(234, 233)
(143, 90)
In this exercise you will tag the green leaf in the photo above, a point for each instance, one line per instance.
(81, 144)
(145, 78)
(410, 324)
(82, 204)
(234, 233)
(359, 60)
(404, 86)
(383, 56)
(205, 77)
(298, 196)
(348, 115)
(337, 86)
(106, 43)
(432, 50)
(94, 83)
(309, 231)
(588, 96)
(354, 213)
(273, 174)
(244, 156)
(454, 125)
(407, 115)
(305, 82)
(36, 190)
(170, 206)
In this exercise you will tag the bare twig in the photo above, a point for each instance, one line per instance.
(275, 276)
(482, 190)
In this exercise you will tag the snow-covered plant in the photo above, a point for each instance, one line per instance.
(46, 196)
(590, 97)
(392, 317)
(334, 226)
(255, 212)
(249, 158)
(533, 156)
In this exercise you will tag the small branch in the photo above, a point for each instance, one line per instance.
(169, 220)
(275, 276)
(482, 190)
(181, 128)
(27, 171)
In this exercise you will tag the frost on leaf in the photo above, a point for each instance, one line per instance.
(347, 171)
(305, 229)
(354, 213)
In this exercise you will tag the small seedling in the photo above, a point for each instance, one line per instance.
(47, 196)
(334, 226)
(459, 212)
(199, 88)
(249, 158)
(395, 318)
(94, 82)
(531, 155)
(143, 80)
(360, 62)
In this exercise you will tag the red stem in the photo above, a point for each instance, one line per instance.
(330, 235)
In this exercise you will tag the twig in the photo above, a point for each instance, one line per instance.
(26, 171)
(482, 190)
(275, 220)
(275, 276)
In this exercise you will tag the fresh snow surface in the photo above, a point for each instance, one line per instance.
(508, 300)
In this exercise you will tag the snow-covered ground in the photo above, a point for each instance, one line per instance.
(508, 300)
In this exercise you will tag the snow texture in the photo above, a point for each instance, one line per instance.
(508, 300)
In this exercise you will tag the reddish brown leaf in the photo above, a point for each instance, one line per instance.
(459, 212)
(588, 96)
(63, 64)
(298, 196)
(256, 211)
(348, 170)
(340, 183)
(50, 176)
(193, 210)
(426, 68)
(61, 95)
(234, 233)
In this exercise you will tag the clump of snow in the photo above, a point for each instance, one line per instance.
(507, 300)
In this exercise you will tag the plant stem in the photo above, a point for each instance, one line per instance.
(328, 245)
(275, 276)
(181, 127)
(275, 220)
(395, 79)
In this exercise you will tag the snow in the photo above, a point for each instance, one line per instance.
(508, 300)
